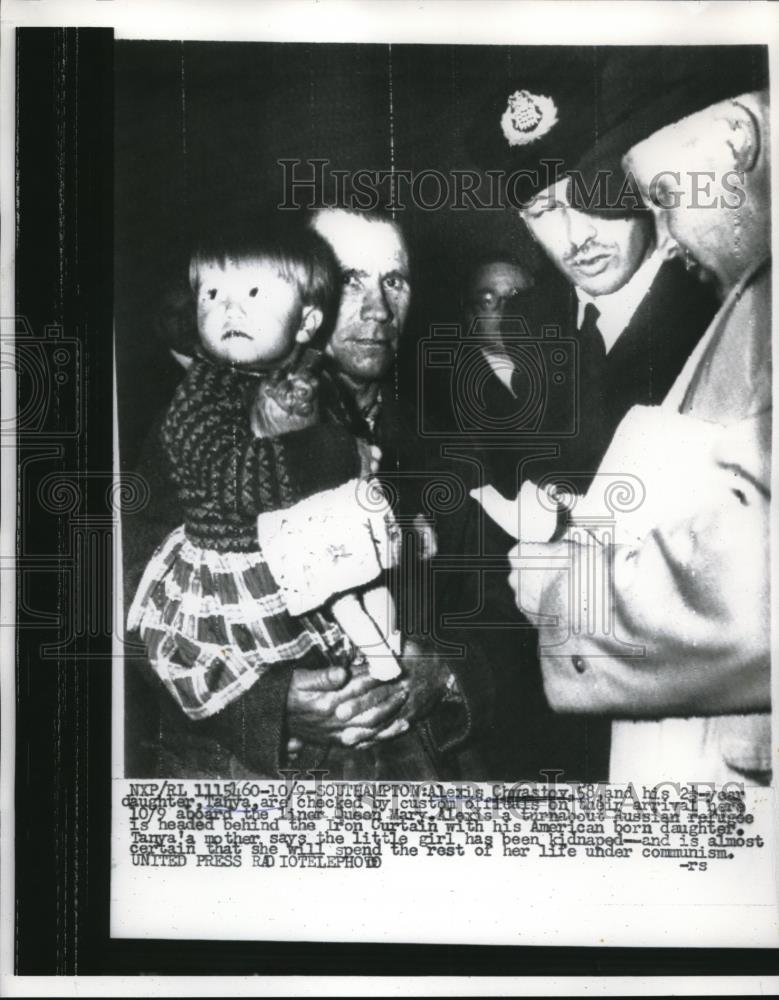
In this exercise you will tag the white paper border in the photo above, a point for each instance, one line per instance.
(398, 21)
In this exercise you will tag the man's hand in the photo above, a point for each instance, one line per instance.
(527, 577)
(290, 404)
(425, 678)
(327, 708)
(427, 675)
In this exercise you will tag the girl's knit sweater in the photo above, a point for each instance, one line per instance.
(225, 476)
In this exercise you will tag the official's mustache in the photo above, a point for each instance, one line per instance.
(586, 251)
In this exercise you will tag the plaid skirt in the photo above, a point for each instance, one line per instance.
(213, 622)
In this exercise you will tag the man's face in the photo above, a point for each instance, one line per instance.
(598, 254)
(375, 292)
(494, 297)
(679, 171)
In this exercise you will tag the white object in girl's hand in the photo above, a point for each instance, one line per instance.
(368, 618)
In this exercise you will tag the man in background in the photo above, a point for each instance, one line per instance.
(497, 291)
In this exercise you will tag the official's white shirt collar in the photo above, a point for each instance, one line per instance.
(501, 365)
(616, 310)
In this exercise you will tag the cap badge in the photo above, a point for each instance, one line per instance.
(527, 117)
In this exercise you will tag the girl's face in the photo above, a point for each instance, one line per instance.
(247, 312)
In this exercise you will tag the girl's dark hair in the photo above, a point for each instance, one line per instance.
(300, 253)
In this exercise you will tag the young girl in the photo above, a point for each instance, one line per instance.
(208, 608)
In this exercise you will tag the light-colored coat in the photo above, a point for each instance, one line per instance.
(655, 607)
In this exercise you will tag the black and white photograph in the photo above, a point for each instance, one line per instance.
(497, 280)
(390, 409)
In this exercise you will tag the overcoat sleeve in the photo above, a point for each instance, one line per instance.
(673, 621)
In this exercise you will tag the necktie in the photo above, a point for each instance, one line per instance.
(591, 438)
(593, 349)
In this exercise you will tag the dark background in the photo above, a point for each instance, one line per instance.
(64, 275)
(201, 126)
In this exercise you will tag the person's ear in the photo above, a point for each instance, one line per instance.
(665, 244)
(743, 136)
(310, 322)
(667, 247)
